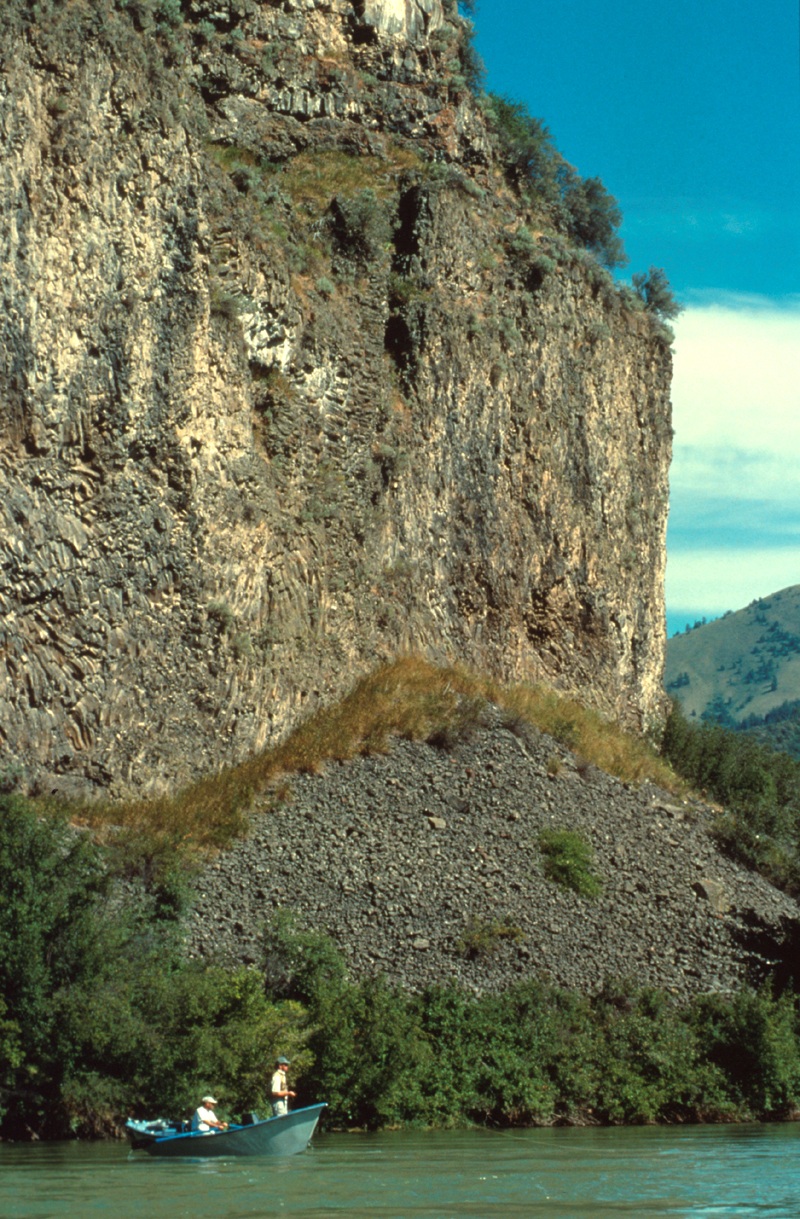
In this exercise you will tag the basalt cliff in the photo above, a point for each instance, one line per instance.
(294, 379)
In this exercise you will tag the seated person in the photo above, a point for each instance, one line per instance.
(204, 1117)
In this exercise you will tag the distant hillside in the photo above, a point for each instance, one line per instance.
(743, 670)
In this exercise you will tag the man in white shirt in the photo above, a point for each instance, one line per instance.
(205, 1118)
(279, 1088)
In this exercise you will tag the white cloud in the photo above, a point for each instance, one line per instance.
(709, 582)
(738, 224)
(735, 479)
(710, 472)
(737, 376)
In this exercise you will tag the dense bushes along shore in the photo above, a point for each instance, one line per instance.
(757, 787)
(101, 1017)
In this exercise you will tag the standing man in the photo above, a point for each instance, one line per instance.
(205, 1118)
(280, 1089)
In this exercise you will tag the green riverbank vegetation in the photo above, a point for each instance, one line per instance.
(756, 788)
(102, 1016)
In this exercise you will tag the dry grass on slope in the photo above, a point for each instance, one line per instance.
(409, 698)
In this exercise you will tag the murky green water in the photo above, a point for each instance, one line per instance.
(569, 1174)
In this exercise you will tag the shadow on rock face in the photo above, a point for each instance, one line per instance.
(772, 949)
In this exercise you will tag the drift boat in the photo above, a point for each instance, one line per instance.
(274, 1136)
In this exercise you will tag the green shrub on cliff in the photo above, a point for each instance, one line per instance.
(473, 69)
(653, 289)
(592, 216)
(751, 1041)
(580, 207)
(530, 156)
(568, 860)
(481, 938)
(360, 226)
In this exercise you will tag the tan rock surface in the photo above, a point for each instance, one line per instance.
(260, 430)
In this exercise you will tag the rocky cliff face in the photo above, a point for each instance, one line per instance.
(291, 381)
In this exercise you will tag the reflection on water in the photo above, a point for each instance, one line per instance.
(692, 1172)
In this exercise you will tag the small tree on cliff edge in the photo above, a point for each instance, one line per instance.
(654, 289)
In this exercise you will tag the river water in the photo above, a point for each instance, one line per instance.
(707, 1171)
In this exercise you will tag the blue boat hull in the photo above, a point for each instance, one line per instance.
(275, 1136)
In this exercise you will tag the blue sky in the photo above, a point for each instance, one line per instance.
(690, 114)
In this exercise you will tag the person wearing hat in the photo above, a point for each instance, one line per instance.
(205, 1118)
(279, 1088)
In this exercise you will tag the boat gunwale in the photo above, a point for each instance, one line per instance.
(148, 1140)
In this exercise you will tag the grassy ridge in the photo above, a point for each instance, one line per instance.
(409, 698)
(741, 665)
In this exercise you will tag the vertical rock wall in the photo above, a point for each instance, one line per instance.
(291, 382)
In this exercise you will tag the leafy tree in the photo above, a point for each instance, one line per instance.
(449, 1084)
(513, 1037)
(648, 1062)
(371, 1054)
(298, 963)
(530, 155)
(752, 1039)
(759, 788)
(654, 289)
(50, 880)
(103, 1015)
(366, 1042)
(593, 217)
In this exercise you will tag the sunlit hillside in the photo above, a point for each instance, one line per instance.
(743, 668)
